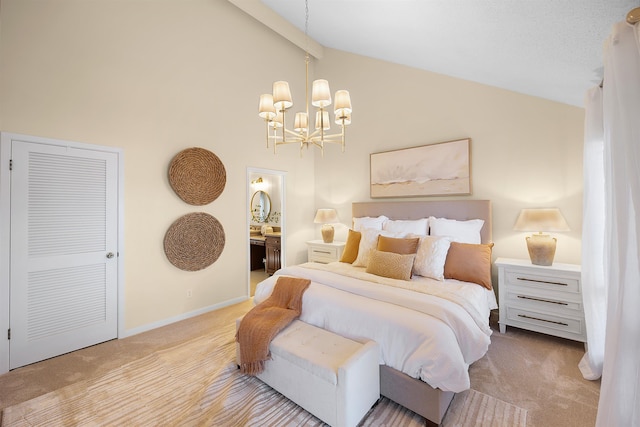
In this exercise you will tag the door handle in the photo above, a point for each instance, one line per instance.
(110, 255)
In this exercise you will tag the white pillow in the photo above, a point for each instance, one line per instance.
(368, 243)
(431, 256)
(416, 226)
(368, 222)
(457, 231)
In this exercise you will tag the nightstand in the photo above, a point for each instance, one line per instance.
(319, 251)
(540, 298)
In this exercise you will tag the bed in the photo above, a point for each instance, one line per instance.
(430, 329)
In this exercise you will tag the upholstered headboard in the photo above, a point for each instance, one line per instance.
(452, 209)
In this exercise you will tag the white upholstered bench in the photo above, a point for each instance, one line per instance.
(334, 378)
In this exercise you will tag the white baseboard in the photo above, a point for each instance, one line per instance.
(183, 316)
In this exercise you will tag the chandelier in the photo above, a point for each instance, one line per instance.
(273, 109)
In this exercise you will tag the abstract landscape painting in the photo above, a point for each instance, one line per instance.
(442, 169)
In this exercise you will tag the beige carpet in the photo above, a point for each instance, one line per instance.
(197, 383)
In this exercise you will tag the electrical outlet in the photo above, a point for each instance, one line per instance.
(189, 293)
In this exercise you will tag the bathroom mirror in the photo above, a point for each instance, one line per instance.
(260, 206)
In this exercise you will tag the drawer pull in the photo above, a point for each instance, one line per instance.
(322, 252)
(543, 300)
(542, 281)
(543, 320)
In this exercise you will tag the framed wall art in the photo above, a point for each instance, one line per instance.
(441, 169)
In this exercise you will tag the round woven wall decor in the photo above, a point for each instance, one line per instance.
(197, 176)
(194, 241)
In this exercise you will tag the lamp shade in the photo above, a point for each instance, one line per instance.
(266, 110)
(326, 216)
(301, 122)
(281, 95)
(322, 120)
(320, 93)
(343, 103)
(277, 122)
(542, 219)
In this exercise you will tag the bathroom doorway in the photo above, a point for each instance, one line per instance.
(265, 224)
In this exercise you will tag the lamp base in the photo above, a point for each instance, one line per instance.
(327, 233)
(542, 249)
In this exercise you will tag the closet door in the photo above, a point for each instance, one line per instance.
(64, 261)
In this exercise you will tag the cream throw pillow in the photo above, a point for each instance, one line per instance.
(457, 231)
(431, 256)
(363, 222)
(390, 264)
(407, 226)
(368, 243)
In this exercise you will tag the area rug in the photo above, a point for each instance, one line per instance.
(197, 383)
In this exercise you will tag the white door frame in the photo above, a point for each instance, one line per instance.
(5, 230)
(283, 201)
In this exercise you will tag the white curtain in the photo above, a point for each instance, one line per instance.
(620, 391)
(594, 287)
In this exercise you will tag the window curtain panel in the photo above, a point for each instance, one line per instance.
(594, 288)
(620, 389)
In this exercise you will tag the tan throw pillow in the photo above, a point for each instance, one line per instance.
(350, 252)
(389, 264)
(398, 246)
(469, 263)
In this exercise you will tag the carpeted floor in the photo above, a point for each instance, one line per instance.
(197, 383)
(522, 369)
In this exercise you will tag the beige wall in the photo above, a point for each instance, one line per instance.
(155, 77)
(526, 151)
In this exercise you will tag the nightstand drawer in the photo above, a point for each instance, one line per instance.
(553, 302)
(328, 254)
(566, 327)
(318, 251)
(553, 283)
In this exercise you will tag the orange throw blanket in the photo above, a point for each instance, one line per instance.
(260, 325)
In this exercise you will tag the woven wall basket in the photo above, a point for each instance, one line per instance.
(197, 176)
(194, 241)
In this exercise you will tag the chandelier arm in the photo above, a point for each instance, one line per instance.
(291, 141)
(328, 138)
(294, 134)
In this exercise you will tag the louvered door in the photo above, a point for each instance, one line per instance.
(64, 219)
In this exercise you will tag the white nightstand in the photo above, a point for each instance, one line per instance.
(319, 251)
(542, 299)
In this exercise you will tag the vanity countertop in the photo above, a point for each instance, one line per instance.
(262, 238)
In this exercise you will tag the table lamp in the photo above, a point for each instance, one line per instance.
(542, 247)
(325, 217)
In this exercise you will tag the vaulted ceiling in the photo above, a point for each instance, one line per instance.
(547, 48)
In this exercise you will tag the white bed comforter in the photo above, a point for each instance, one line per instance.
(427, 329)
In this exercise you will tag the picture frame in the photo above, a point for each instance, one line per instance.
(440, 169)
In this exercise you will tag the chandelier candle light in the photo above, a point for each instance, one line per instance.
(273, 109)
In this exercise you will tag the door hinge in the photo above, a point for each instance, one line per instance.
(9, 333)
(10, 164)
